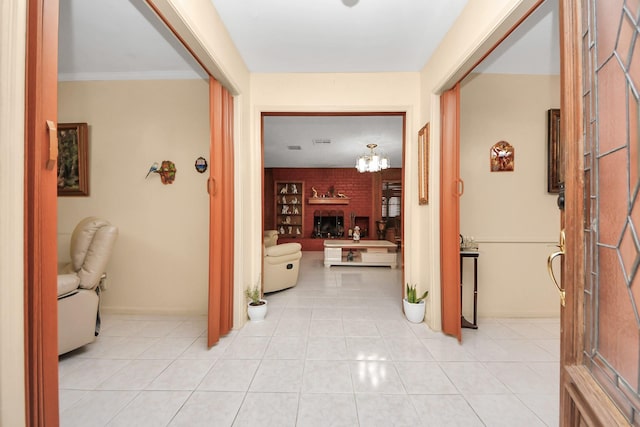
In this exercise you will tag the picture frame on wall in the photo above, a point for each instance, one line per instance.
(555, 156)
(73, 159)
(423, 165)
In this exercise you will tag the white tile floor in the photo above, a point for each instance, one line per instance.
(333, 351)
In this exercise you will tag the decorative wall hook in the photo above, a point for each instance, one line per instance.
(154, 168)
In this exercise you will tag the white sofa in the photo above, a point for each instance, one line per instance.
(79, 283)
(281, 263)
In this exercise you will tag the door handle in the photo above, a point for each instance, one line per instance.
(460, 185)
(553, 256)
(211, 186)
(53, 144)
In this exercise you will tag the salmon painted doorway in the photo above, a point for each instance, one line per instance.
(451, 188)
(40, 215)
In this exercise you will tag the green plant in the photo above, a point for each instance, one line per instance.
(253, 294)
(412, 296)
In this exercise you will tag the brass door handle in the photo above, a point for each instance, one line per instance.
(550, 267)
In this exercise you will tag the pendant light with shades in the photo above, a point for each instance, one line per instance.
(372, 162)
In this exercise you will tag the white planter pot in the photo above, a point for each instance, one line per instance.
(257, 312)
(414, 312)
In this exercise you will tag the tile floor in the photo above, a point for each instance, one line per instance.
(333, 351)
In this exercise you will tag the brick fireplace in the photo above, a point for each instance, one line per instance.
(363, 191)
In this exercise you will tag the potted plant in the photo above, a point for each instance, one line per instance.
(414, 306)
(256, 307)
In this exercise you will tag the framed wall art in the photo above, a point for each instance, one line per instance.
(423, 165)
(502, 157)
(555, 160)
(73, 159)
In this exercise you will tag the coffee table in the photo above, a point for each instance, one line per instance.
(365, 253)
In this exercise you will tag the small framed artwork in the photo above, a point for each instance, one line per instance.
(423, 165)
(73, 159)
(555, 156)
(502, 157)
(201, 164)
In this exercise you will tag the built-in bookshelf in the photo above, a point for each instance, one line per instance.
(289, 210)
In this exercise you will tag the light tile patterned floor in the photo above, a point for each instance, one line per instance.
(333, 351)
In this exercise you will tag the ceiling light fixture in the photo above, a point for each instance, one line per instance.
(350, 3)
(372, 162)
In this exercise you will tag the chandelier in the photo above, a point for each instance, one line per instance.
(372, 162)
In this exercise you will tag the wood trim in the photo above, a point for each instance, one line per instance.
(333, 113)
(328, 200)
(450, 212)
(228, 213)
(507, 34)
(216, 217)
(592, 403)
(171, 28)
(262, 205)
(402, 200)
(40, 222)
(571, 316)
(376, 202)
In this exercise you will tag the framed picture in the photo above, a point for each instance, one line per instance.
(555, 154)
(423, 165)
(502, 157)
(73, 159)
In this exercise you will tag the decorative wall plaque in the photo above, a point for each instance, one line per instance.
(201, 165)
(502, 157)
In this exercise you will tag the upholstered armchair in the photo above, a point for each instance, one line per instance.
(281, 263)
(80, 282)
(270, 237)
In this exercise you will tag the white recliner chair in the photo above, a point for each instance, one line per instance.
(281, 263)
(80, 281)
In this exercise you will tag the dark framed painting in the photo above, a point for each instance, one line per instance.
(555, 152)
(73, 159)
(423, 165)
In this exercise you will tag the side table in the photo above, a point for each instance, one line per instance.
(475, 255)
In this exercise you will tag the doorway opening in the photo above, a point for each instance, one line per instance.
(319, 150)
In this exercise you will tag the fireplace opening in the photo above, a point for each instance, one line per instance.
(328, 224)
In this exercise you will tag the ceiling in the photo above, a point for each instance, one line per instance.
(124, 40)
(330, 141)
(304, 36)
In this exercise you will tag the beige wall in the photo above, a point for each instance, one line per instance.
(510, 214)
(160, 262)
(200, 26)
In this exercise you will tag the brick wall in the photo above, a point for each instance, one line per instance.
(362, 189)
